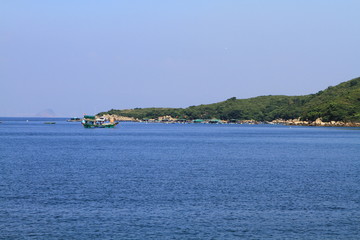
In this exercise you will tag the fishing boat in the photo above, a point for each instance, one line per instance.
(74, 119)
(93, 122)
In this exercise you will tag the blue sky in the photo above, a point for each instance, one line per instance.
(88, 56)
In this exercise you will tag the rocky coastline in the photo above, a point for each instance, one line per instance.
(317, 122)
(290, 122)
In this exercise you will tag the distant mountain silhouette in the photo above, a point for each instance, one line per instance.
(46, 113)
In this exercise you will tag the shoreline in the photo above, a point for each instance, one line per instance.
(291, 122)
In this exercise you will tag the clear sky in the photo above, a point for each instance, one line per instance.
(87, 56)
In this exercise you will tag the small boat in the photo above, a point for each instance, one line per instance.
(74, 119)
(49, 122)
(93, 122)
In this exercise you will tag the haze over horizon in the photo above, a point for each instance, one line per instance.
(78, 57)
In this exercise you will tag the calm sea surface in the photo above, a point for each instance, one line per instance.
(178, 181)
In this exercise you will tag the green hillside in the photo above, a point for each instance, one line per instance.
(339, 103)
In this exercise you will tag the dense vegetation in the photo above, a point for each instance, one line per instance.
(339, 103)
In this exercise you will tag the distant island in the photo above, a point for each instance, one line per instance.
(46, 113)
(337, 105)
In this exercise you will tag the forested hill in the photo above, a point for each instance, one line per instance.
(338, 103)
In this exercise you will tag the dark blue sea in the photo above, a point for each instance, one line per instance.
(178, 181)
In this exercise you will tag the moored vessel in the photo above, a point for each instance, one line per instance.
(74, 119)
(93, 122)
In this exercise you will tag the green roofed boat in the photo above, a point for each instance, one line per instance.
(215, 121)
(93, 122)
(198, 121)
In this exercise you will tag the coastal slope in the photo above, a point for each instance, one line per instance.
(337, 103)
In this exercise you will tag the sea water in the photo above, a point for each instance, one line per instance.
(178, 181)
